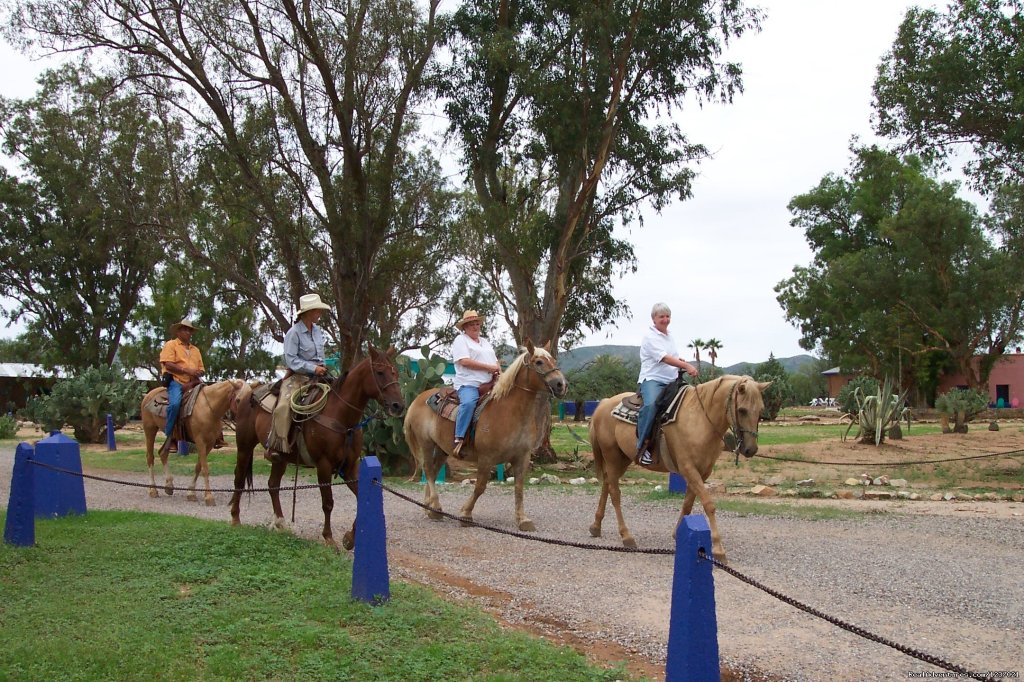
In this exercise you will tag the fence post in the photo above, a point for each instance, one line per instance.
(693, 626)
(676, 483)
(370, 580)
(111, 443)
(20, 528)
(57, 493)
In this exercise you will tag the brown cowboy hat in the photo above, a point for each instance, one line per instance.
(178, 325)
(467, 317)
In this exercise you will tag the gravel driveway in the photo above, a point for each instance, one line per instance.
(946, 585)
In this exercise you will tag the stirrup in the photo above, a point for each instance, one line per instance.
(457, 450)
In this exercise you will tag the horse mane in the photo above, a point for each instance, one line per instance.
(508, 378)
(715, 384)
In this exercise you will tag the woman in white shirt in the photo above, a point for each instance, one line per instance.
(659, 365)
(475, 364)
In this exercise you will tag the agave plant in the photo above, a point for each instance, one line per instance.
(877, 413)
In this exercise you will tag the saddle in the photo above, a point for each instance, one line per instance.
(158, 407)
(445, 402)
(628, 409)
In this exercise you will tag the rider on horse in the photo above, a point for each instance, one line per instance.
(183, 362)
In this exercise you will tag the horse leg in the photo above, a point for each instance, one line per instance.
(431, 465)
(602, 500)
(164, 457)
(466, 512)
(243, 474)
(150, 458)
(351, 473)
(323, 477)
(616, 494)
(204, 463)
(277, 470)
(695, 488)
(191, 497)
(523, 522)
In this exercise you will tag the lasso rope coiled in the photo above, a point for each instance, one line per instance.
(313, 408)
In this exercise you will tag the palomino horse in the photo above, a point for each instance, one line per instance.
(511, 426)
(203, 425)
(689, 446)
(333, 438)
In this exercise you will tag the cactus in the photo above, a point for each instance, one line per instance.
(877, 413)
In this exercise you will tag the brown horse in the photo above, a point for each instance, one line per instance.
(204, 425)
(333, 438)
(511, 426)
(689, 446)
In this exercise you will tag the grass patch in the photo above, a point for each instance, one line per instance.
(126, 595)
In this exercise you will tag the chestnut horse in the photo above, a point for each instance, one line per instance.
(511, 426)
(333, 438)
(204, 425)
(689, 446)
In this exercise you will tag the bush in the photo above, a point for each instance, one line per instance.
(84, 401)
(878, 413)
(846, 401)
(779, 393)
(963, 404)
(8, 427)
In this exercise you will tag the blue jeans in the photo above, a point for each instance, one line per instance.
(469, 396)
(650, 390)
(173, 406)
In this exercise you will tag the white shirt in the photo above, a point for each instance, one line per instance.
(653, 348)
(464, 347)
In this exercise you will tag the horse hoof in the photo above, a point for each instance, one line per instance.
(629, 542)
(434, 516)
(210, 502)
(235, 522)
(527, 527)
(277, 523)
(169, 490)
(720, 558)
(191, 497)
(595, 531)
(347, 541)
(153, 492)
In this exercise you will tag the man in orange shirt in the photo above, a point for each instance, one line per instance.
(184, 362)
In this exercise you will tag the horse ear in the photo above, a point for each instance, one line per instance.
(529, 345)
(373, 352)
(763, 386)
(391, 352)
(547, 346)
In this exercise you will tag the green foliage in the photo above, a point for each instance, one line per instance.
(8, 427)
(877, 412)
(963, 404)
(604, 376)
(846, 401)
(707, 373)
(383, 435)
(779, 393)
(84, 401)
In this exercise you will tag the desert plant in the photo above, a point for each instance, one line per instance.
(383, 435)
(877, 412)
(84, 401)
(961, 404)
(779, 393)
(8, 427)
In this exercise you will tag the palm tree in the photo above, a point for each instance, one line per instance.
(713, 346)
(696, 345)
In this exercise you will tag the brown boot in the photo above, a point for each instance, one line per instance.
(273, 456)
(220, 442)
(457, 450)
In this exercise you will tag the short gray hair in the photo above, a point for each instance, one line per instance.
(660, 309)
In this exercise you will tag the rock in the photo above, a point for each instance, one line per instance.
(581, 480)
(845, 494)
(468, 481)
(948, 497)
(865, 479)
(775, 480)
(788, 492)
(550, 478)
(903, 495)
(763, 491)
(510, 479)
(937, 497)
(593, 480)
(534, 481)
(806, 482)
(993, 426)
(877, 495)
(881, 480)
(657, 488)
(915, 496)
(852, 481)
(898, 483)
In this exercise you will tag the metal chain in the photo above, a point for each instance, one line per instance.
(894, 464)
(914, 653)
(525, 536)
(133, 484)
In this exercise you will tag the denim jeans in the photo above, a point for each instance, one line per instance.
(173, 405)
(469, 396)
(650, 390)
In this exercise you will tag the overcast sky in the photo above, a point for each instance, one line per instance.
(716, 258)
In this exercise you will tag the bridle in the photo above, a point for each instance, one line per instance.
(733, 416)
(374, 367)
(541, 372)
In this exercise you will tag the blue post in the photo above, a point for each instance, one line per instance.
(111, 443)
(676, 483)
(182, 448)
(693, 627)
(20, 528)
(501, 473)
(440, 475)
(370, 580)
(56, 493)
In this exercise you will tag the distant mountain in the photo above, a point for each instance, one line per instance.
(577, 357)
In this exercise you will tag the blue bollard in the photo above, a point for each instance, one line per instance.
(56, 493)
(111, 443)
(693, 626)
(676, 484)
(370, 580)
(20, 528)
(440, 475)
(501, 473)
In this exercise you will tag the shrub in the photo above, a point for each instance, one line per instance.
(877, 412)
(8, 427)
(846, 400)
(83, 402)
(779, 393)
(963, 404)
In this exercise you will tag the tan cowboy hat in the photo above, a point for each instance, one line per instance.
(469, 316)
(178, 325)
(309, 302)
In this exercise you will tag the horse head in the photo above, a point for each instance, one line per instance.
(541, 361)
(382, 378)
(744, 413)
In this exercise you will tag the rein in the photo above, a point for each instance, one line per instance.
(542, 373)
(732, 415)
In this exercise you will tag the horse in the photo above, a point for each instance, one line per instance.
(689, 446)
(333, 438)
(203, 425)
(511, 426)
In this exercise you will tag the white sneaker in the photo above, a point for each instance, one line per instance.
(645, 459)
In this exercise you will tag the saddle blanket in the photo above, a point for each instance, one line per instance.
(445, 403)
(629, 409)
(158, 405)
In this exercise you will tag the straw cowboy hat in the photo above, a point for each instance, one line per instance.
(178, 325)
(467, 317)
(309, 302)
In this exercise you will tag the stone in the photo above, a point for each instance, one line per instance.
(788, 492)
(593, 480)
(993, 426)
(903, 495)
(937, 497)
(581, 480)
(534, 481)
(877, 495)
(775, 480)
(881, 480)
(948, 497)
(852, 481)
(763, 491)
(898, 483)
(806, 482)
(845, 494)
(915, 496)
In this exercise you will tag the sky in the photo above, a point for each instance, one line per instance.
(716, 258)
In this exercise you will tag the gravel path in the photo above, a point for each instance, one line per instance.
(946, 585)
